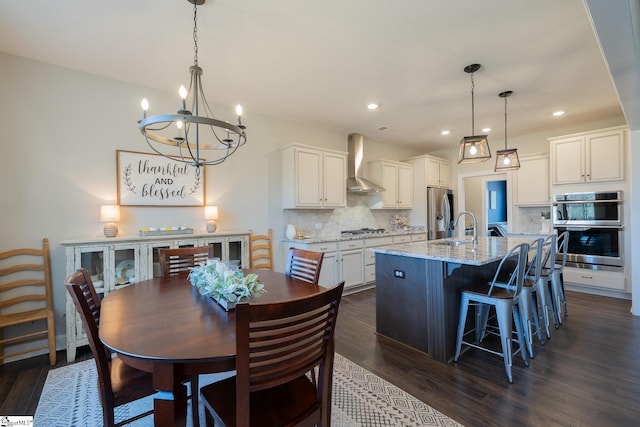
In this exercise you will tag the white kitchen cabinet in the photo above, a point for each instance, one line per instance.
(351, 264)
(124, 261)
(531, 181)
(370, 257)
(401, 238)
(437, 172)
(610, 280)
(419, 237)
(430, 171)
(397, 180)
(313, 177)
(589, 156)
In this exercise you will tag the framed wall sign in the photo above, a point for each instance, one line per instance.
(146, 179)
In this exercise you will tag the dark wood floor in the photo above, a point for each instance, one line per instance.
(588, 374)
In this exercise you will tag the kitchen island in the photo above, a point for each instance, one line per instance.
(418, 288)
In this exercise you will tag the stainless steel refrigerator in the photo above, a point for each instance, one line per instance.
(439, 213)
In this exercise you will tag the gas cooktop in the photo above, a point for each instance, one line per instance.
(361, 231)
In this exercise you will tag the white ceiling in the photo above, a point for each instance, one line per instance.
(322, 61)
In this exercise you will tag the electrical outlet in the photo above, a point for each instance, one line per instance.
(318, 226)
(399, 274)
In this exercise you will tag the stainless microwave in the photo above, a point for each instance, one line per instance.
(601, 209)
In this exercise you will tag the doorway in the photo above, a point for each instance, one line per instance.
(487, 196)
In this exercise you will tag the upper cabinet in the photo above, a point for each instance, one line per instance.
(397, 179)
(531, 181)
(588, 157)
(431, 172)
(437, 172)
(313, 177)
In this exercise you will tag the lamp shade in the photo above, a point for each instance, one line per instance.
(211, 212)
(109, 213)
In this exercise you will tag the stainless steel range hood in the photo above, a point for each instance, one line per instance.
(355, 182)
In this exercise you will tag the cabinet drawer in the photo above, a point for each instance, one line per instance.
(378, 241)
(351, 244)
(419, 237)
(406, 238)
(600, 279)
(369, 257)
(369, 273)
(316, 247)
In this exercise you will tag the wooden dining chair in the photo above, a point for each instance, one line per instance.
(118, 383)
(277, 343)
(304, 265)
(261, 250)
(180, 261)
(26, 298)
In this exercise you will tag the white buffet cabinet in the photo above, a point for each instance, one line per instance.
(122, 261)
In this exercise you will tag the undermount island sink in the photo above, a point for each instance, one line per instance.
(451, 242)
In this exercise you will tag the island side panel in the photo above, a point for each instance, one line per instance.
(446, 292)
(401, 302)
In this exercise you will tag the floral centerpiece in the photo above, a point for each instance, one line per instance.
(227, 286)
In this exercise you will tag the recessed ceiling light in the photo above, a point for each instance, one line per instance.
(445, 132)
(383, 128)
(558, 113)
(485, 130)
(372, 106)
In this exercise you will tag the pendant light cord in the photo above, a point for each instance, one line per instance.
(473, 127)
(505, 122)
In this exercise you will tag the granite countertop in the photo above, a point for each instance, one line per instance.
(325, 239)
(487, 250)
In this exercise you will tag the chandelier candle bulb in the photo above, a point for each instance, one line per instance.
(145, 107)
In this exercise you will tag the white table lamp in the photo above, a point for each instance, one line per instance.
(211, 214)
(110, 214)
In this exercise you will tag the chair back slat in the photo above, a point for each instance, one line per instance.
(261, 250)
(512, 266)
(26, 298)
(304, 265)
(279, 342)
(180, 261)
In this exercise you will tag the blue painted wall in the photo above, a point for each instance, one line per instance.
(499, 214)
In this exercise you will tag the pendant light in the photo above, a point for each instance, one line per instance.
(183, 136)
(506, 159)
(474, 148)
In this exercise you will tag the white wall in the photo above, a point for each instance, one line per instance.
(60, 132)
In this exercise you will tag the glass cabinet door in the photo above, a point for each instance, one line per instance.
(126, 265)
(93, 259)
(218, 245)
(153, 268)
(235, 248)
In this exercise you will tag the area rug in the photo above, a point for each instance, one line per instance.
(360, 398)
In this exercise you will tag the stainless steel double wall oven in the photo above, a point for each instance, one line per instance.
(596, 228)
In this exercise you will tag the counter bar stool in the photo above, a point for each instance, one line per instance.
(529, 306)
(557, 281)
(543, 288)
(504, 298)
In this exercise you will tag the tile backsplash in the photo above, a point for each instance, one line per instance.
(531, 220)
(356, 215)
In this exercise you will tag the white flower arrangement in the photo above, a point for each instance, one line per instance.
(216, 280)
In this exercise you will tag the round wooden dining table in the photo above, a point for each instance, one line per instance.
(164, 326)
